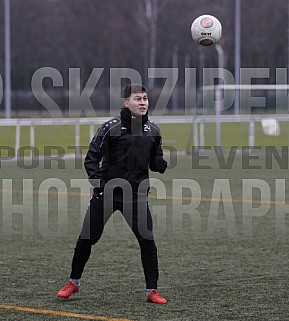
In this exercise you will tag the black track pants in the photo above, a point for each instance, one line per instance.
(137, 215)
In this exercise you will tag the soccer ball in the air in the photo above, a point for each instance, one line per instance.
(206, 30)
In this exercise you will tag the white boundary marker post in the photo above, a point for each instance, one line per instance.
(196, 136)
(32, 138)
(91, 131)
(17, 136)
(251, 139)
(202, 131)
(77, 139)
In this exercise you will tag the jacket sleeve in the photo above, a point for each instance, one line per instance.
(94, 155)
(157, 162)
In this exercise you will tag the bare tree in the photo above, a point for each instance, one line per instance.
(150, 9)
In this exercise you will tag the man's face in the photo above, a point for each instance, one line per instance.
(137, 104)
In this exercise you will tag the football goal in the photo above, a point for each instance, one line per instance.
(253, 108)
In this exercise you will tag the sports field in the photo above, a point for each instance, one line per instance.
(221, 233)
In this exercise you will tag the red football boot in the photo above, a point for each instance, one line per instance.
(155, 297)
(68, 290)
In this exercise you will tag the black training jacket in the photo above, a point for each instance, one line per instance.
(125, 147)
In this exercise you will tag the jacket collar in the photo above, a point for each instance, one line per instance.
(131, 122)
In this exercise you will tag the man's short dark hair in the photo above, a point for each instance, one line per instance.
(133, 89)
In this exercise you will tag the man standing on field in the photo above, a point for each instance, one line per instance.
(117, 163)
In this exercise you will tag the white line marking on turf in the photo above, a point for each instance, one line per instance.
(60, 313)
(167, 197)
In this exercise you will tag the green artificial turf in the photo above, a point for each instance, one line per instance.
(213, 265)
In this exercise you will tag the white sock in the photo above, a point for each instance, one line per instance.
(149, 291)
(76, 282)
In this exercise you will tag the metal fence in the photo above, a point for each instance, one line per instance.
(196, 135)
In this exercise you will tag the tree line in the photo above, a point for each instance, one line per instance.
(137, 34)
